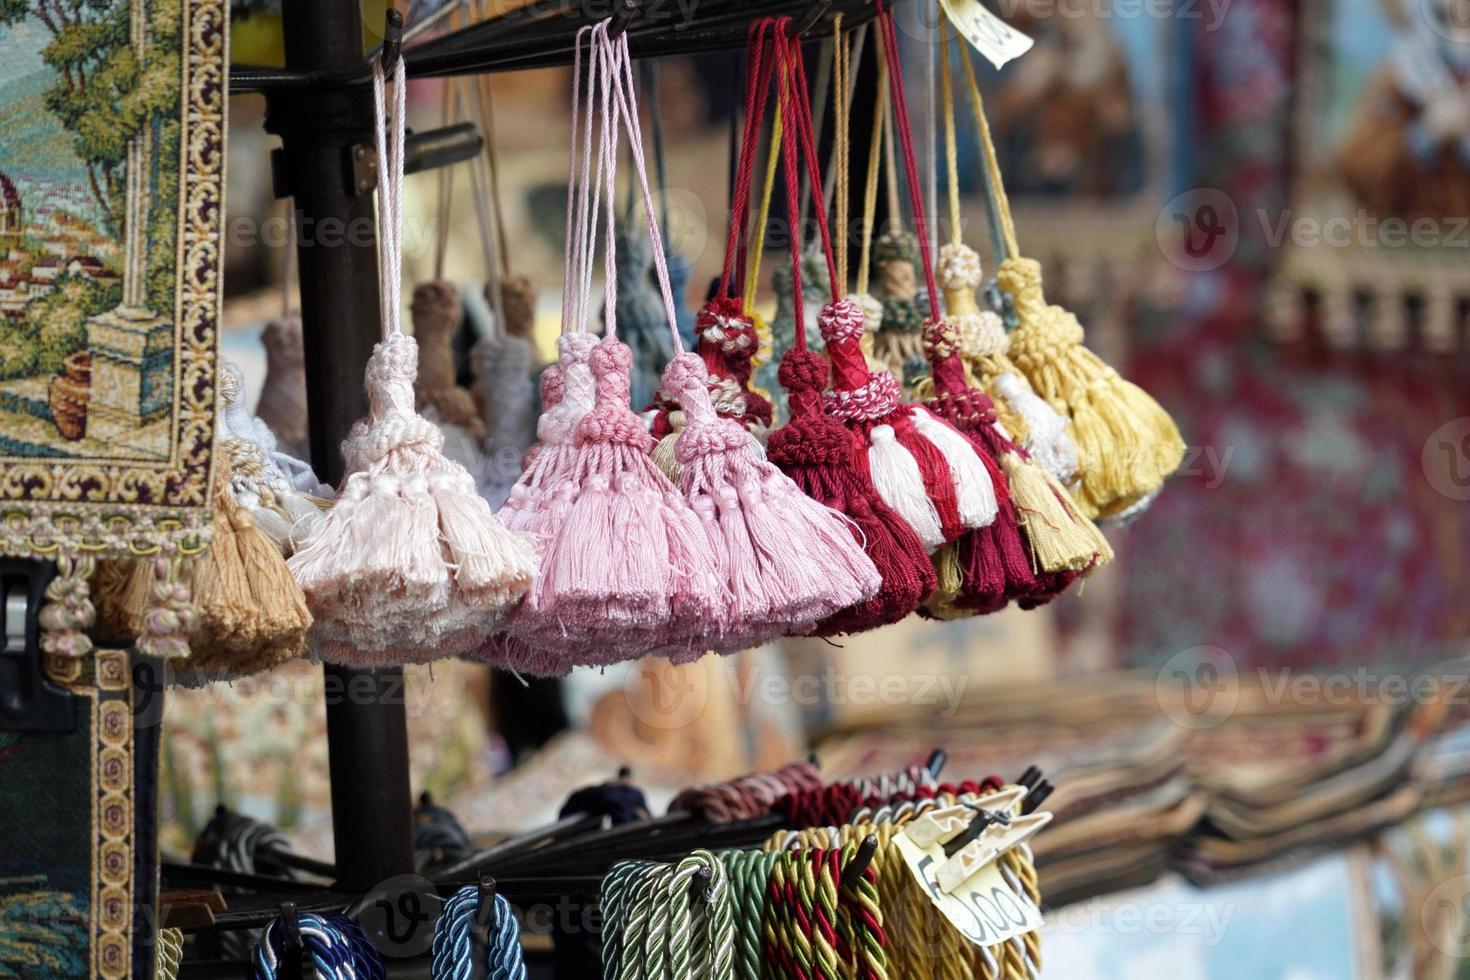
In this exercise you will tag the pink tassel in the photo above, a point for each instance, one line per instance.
(789, 561)
(627, 571)
(410, 564)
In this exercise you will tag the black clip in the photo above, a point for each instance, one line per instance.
(483, 922)
(813, 761)
(29, 701)
(392, 42)
(293, 953)
(623, 13)
(1036, 797)
(1029, 778)
(936, 761)
(700, 885)
(983, 819)
(858, 866)
(625, 773)
(797, 28)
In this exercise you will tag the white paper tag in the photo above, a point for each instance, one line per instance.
(998, 41)
(983, 908)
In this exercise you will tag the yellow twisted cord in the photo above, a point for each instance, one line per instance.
(840, 68)
(758, 242)
(951, 154)
(992, 162)
(870, 186)
(170, 954)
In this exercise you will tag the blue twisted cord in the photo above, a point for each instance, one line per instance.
(335, 945)
(453, 955)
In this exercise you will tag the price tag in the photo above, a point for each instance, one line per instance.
(998, 41)
(983, 908)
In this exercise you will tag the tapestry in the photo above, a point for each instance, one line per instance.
(1379, 226)
(78, 859)
(111, 208)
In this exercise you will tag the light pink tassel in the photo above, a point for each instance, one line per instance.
(789, 561)
(628, 572)
(409, 564)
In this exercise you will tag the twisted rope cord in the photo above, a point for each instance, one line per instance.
(819, 883)
(862, 920)
(640, 903)
(454, 948)
(750, 874)
(169, 955)
(335, 946)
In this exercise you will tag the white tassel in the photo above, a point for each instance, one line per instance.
(897, 478)
(974, 491)
(1047, 437)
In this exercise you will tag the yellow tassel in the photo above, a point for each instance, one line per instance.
(120, 591)
(1127, 444)
(941, 604)
(663, 452)
(1061, 538)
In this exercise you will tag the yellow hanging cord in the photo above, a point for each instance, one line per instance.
(951, 154)
(840, 67)
(870, 187)
(757, 245)
(992, 163)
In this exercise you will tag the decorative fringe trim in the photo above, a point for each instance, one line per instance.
(68, 612)
(1127, 444)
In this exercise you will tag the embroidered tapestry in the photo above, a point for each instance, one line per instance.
(111, 204)
(79, 856)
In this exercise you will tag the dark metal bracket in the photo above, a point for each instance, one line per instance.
(29, 701)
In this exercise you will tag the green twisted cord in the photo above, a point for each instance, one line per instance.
(750, 875)
(617, 886)
(633, 958)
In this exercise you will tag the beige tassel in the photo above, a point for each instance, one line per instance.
(1127, 444)
(437, 312)
(252, 614)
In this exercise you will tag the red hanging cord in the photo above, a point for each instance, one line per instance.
(906, 144)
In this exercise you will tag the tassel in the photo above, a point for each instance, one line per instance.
(820, 456)
(816, 292)
(1126, 442)
(1035, 516)
(251, 613)
(409, 563)
(282, 402)
(640, 315)
(625, 572)
(728, 343)
(437, 311)
(68, 612)
(912, 473)
(789, 561)
(503, 369)
(169, 616)
(985, 347)
(898, 344)
(664, 456)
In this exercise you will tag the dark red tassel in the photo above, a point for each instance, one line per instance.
(821, 455)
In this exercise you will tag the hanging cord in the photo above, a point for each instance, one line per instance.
(1000, 204)
(906, 143)
(390, 195)
(757, 86)
(454, 946)
(758, 238)
(870, 186)
(750, 874)
(826, 79)
(839, 162)
(854, 54)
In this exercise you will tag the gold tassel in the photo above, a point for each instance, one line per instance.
(252, 614)
(1062, 539)
(1127, 444)
(941, 604)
